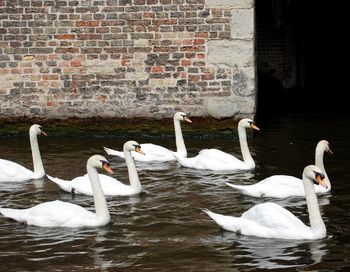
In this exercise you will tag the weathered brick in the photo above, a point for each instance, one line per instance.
(75, 54)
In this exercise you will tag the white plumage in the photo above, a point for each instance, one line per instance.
(158, 153)
(110, 185)
(12, 172)
(281, 186)
(270, 220)
(214, 159)
(65, 214)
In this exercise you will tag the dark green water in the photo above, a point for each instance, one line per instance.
(164, 229)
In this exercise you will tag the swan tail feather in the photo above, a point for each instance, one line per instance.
(113, 152)
(226, 222)
(14, 214)
(243, 189)
(63, 184)
(181, 160)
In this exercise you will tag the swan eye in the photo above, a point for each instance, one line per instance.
(137, 146)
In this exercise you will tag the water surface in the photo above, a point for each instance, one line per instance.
(164, 228)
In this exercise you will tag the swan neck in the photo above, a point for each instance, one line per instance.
(133, 176)
(247, 158)
(180, 143)
(316, 222)
(319, 159)
(319, 154)
(38, 166)
(101, 207)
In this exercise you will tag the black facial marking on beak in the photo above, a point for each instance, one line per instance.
(137, 146)
(317, 174)
(105, 163)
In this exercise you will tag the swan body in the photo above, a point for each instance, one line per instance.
(214, 159)
(13, 172)
(282, 186)
(64, 214)
(110, 185)
(159, 153)
(270, 220)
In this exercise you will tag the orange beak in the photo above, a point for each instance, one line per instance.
(107, 168)
(254, 127)
(43, 133)
(188, 120)
(321, 181)
(138, 150)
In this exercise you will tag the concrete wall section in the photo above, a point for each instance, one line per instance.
(237, 56)
(127, 58)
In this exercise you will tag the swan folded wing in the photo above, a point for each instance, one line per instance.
(281, 186)
(82, 185)
(52, 214)
(112, 186)
(65, 185)
(113, 152)
(153, 153)
(251, 190)
(218, 160)
(11, 171)
(229, 223)
(270, 220)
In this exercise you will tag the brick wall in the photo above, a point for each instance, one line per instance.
(126, 58)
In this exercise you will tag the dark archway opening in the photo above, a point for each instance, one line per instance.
(300, 49)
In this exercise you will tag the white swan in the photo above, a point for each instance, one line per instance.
(65, 214)
(281, 186)
(214, 159)
(110, 186)
(270, 220)
(157, 152)
(11, 171)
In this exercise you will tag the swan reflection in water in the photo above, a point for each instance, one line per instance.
(275, 254)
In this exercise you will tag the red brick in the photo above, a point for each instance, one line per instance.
(75, 63)
(4, 71)
(87, 23)
(208, 77)
(187, 42)
(199, 41)
(201, 56)
(125, 62)
(183, 75)
(193, 77)
(202, 34)
(157, 69)
(49, 77)
(186, 62)
(65, 36)
(28, 70)
(16, 71)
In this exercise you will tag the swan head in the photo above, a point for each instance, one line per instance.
(37, 130)
(248, 123)
(133, 146)
(324, 145)
(98, 161)
(314, 173)
(181, 116)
